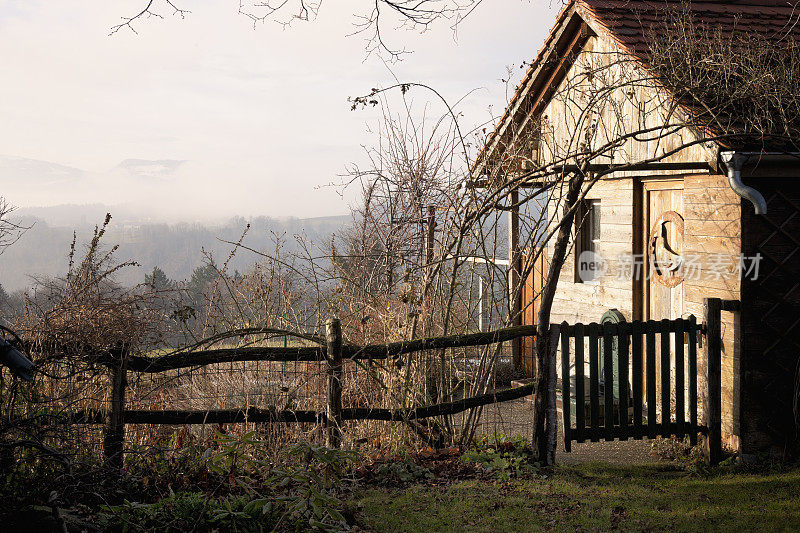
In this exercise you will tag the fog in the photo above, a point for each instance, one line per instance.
(205, 117)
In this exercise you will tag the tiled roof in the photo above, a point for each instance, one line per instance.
(632, 22)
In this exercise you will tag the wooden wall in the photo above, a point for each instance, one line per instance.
(712, 234)
(631, 103)
(531, 292)
(586, 302)
(712, 211)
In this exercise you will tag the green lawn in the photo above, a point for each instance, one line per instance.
(593, 497)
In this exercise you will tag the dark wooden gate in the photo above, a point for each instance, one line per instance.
(617, 396)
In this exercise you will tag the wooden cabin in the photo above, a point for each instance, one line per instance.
(677, 202)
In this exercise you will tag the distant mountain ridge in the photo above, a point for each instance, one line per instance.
(176, 248)
(157, 169)
(36, 170)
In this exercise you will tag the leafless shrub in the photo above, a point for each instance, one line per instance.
(67, 325)
(743, 85)
(86, 311)
(10, 231)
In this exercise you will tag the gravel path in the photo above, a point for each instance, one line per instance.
(616, 452)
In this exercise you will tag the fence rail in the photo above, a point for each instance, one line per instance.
(189, 359)
(119, 363)
(260, 415)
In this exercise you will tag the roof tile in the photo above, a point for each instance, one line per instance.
(765, 17)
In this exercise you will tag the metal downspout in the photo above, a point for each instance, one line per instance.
(734, 161)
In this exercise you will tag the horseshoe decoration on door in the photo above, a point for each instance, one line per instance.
(666, 261)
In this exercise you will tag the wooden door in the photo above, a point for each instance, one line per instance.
(663, 248)
(664, 265)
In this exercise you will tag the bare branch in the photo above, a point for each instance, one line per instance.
(372, 23)
(146, 13)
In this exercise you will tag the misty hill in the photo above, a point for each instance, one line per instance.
(176, 248)
(38, 173)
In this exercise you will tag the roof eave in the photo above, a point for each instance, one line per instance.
(567, 20)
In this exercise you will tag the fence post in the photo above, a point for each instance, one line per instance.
(333, 421)
(712, 410)
(114, 439)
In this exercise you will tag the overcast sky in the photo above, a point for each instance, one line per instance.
(207, 117)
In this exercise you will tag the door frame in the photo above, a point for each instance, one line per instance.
(641, 210)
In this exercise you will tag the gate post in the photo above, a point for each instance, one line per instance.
(333, 420)
(552, 411)
(712, 410)
(114, 438)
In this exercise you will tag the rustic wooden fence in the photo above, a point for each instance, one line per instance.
(636, 346)
(332, 355)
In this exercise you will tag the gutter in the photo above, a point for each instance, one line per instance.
(735, 160)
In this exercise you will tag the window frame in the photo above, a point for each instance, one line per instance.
(588, 232)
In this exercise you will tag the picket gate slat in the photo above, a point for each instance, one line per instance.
(608, 382)
(693, 380)
(622, 384)
(565, 392)
(637, 370)
(680, 388)
(650, 346)
(594, 382)
(580, 392)
(664, 331)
